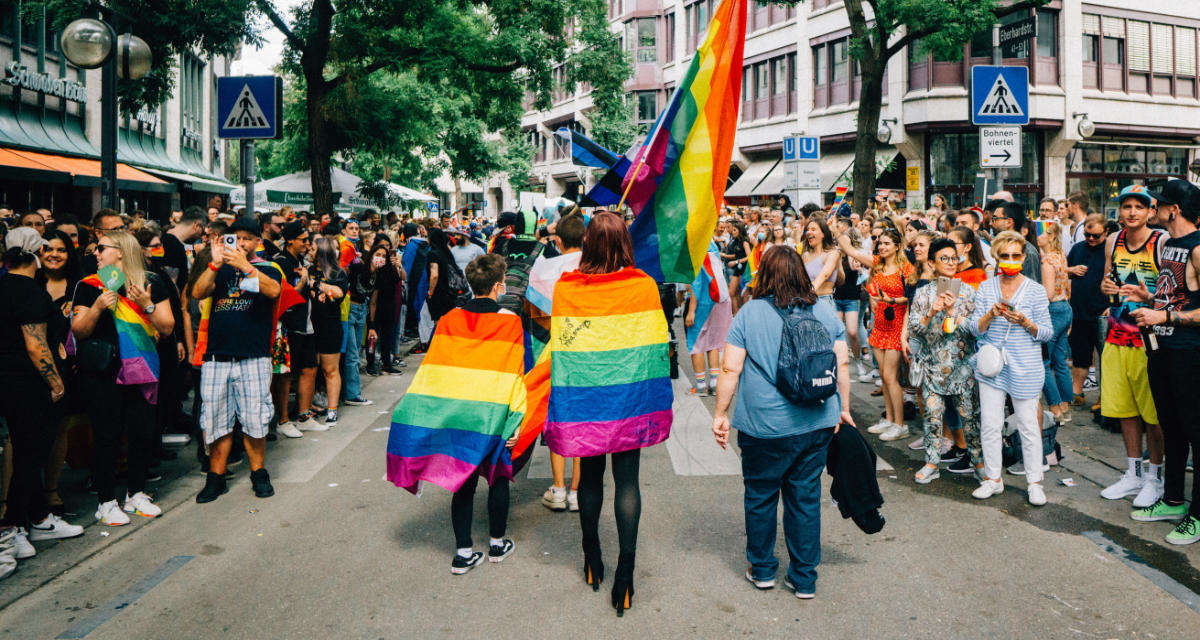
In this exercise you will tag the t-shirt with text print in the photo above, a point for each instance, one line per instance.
(241, 323)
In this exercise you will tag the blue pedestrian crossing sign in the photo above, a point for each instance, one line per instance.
(249, 107)
(999, 95)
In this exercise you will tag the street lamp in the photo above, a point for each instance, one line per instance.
(91, 43)
(1086, 128)
(884, 134)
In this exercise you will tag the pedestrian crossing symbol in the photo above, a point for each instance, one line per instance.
(249, 107)
(999, 95)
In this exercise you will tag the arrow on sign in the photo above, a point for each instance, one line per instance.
(1006, 155)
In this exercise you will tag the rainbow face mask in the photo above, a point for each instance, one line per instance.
(1009, 268)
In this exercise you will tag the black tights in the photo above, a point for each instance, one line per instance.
(385, 329)
(627, 502)
(462, 507)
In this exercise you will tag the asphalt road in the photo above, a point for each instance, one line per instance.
(340, 553)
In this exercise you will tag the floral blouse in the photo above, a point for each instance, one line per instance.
(945, 358)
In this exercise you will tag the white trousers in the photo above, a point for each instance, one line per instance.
(991, 432)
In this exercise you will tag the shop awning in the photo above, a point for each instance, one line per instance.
(195, 183)
(85, 172)
(18, 167)
(837, 169)
(748, 183)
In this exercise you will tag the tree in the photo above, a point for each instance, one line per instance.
(881, 29)
(600, 61)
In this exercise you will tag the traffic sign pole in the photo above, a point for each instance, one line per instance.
(998, 60)
(248, 174)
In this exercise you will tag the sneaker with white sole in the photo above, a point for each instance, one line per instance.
(987, 489)
(1037, 496)
(803, 595)
(879, 427)
(1186, 532)
(8, 553)
(141, 504)
(896, 432)
(110, 514)
(288, 430)
(358, 402)
(461, 565)
(918, 444)
(54, 528)
(311, 424)
(761, 585)
(573, 501)
(331, 418)
(555, 498)
(1152, 490)
(865, 378)
(22, 548)
(1160, 511)
(1129, 484)
(498, 552)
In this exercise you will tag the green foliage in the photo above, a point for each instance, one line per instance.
(170, 27)
(601, 62)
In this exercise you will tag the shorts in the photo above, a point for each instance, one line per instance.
(328, 335)
(846, 306)
(1087, 335)
(236, 389)
(1125, 384)
(303, 347)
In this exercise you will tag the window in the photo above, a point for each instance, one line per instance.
(1090, 50)
(1047, 40)
(820, 66)
(698, 15)
(641, 39)
(1114, 51)
(779, 77)
(841, 61)
(954, 161)
(647, 106)
(669, 37)
(769, 88)
(1101, 171)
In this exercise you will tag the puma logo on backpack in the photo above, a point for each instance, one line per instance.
(807, 370)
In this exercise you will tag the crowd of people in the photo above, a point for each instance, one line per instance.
(980, 329)
(110, 324)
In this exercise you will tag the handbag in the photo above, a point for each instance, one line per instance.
(97, 357)
(990, 360)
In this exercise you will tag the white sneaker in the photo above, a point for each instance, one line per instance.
(987, 489)
(54, 528)
(865, 377)
(896, 432)
(572, 501)
(312, 424)
(142, 505)
(878, 382)
(288, 429)
(1129, 484)
(918, 444)
(879, 427)
(1037, 497)
(862, 371)
(555, 498)
(21, 545)
(8, 554)
(110, 514)
(1151, 491)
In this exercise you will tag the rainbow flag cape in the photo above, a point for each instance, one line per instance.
(679, 175)
(136, 342)
(467, 398)
(752, 264)
(610, 385)
(709, 287)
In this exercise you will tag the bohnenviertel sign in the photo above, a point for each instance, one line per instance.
(22, 76)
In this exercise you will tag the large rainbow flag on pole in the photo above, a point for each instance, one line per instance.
(467, 398)
(679, 176)
(610, 384)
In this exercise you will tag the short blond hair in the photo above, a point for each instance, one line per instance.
(1004, 239)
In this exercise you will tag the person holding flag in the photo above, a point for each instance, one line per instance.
(708, 318)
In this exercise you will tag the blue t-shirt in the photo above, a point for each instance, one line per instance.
(761, 411)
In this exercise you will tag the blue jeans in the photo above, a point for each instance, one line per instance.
(1058, 386)
(356, 329)
(792, 464)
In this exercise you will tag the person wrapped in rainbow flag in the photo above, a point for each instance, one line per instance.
(463, 412)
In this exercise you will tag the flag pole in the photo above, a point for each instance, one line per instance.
(633, 176)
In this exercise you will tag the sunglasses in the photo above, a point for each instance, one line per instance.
(1011, 256)
(101, 247)
(1093, 236)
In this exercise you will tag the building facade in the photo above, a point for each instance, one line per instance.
(1131, 70)
(50, 120)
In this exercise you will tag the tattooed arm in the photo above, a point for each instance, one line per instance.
(43, 358)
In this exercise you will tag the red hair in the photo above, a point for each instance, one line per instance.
(607, 246)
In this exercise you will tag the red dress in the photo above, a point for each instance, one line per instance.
(885, 334)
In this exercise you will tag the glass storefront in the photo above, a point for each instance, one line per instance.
(1102, 170)
(954, 162)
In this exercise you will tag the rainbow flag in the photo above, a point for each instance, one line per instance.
(136, 342)
(752, 261)
(683, 166)
(467, 398)
(839, 196)
(1043, 225)
(710, 287)
(610, 385)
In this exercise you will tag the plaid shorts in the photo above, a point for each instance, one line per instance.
(240, 389)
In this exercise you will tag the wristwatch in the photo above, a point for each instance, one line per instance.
(149, 308)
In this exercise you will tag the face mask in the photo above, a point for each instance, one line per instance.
(378, 261)
(962, 258)
(762, 236)
(1009, 268)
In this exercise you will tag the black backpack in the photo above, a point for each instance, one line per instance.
(457, 284)
(807, 370)
(516, 279)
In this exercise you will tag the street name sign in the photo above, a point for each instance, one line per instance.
(999, 95)
(1000, 147)
(249, 107)
(1015, 37)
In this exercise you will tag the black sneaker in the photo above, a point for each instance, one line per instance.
(261, 481)
(962, 465)
(331, 418)
(498, 552)
(214, 486)
(954, 454)
(461, 565)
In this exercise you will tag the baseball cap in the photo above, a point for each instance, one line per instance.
(293, 230)
(25, 239)
(1136, 191)
(1180, 192)
(245, 223)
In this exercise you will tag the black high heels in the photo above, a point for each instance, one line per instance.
(593, 566)
(622, 591)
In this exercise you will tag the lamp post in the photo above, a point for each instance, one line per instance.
(91, 43)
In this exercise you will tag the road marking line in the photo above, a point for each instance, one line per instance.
(111, 608)
(1135, 562)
